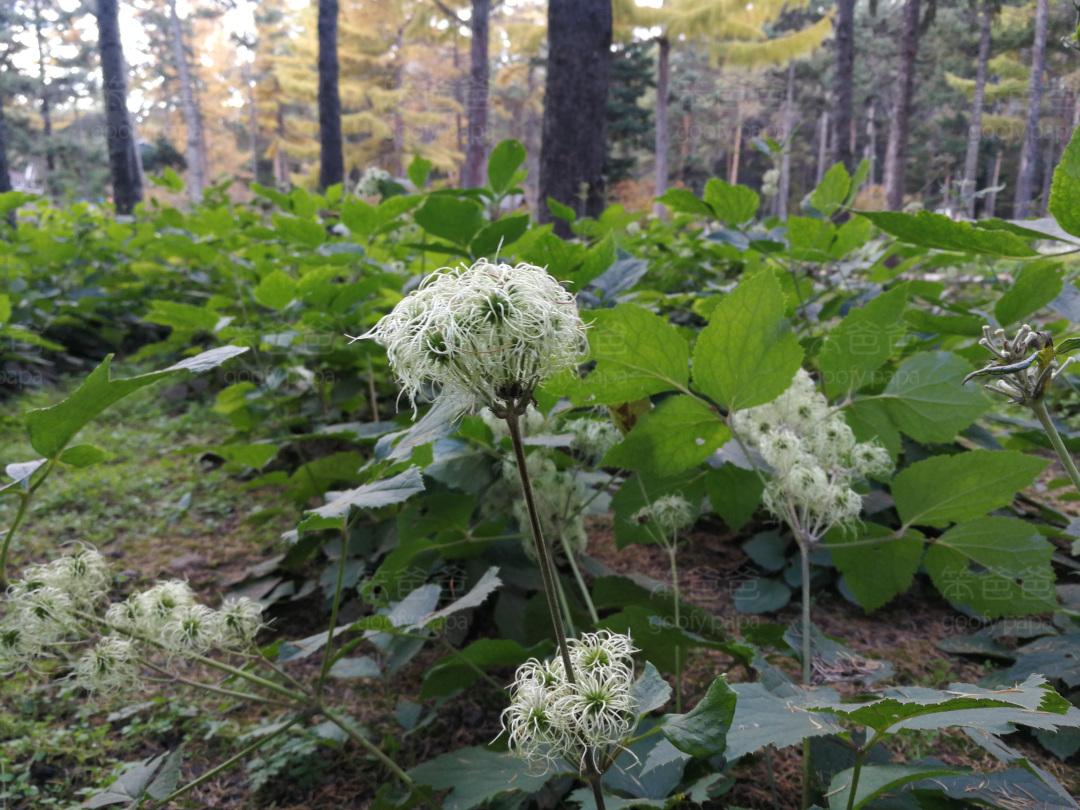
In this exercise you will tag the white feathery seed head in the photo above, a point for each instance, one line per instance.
(670, 514)
(109, 666)
(484, 333)
(192, 628)
(241, 619)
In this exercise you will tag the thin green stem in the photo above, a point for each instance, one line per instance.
(328, 650)
(564, 603)
(672, 556)
(804, 559)
(456, 653)
(584, 588)
(209, 687)
(24, 502)
(856, 771)
(1043, 415)
(367, 744)
(233, 760)
(547, 568)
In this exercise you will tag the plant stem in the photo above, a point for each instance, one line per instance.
(547, 568)
(1039, 407)
(672, 555)
(245, 752)
(24, 502)
(585, 595)
(364, 742)
(328, 650)
(855, 772)
(565, 604)
(598, 791)
(209, 687)
(804, 559)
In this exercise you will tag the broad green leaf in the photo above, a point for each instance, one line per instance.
(153, 778)
(877, 780)
(83, 455)
(375, 495)
(5, 309)
(810, 239)
(747, 355)
(451, 674)
(679, 434)
(639, 490)
(503, 164)
(301, 231)
(734, 494)
(876, 573)
(938, 231)
(651, 691)
(450, 218)
(702, 731)
(360, 218)
(363, 666)
(496, 236)
(560, 211)
(52, 428)
(927, 400)
(732, 205)
(763, 718)
(473, 598)
(275, 290)
(1065, 191)
(685, 202)
(761, 595)
(182, 317)
(832, 191)
(949, 489)
(476, 775)
(1035, 287)
(862, 342)
(996, 566)
(637, 354)
(418, 171)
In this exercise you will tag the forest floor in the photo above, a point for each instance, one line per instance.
(159, 509)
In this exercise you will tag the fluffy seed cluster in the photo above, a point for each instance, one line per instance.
(482, 333)
(53, 610)
(550, 719)
(370, 181)
(593, 437)
(670, 515)
(814, 458)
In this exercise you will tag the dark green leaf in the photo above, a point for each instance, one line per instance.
(702, 732)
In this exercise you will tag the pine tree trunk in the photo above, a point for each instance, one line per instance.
(783, 186)
(120, 135)
(995, 178)
(331, 151)
(574, 129)
(843, 85)
(971, 155)
(823, 146)
(1025, 179)
(472, 173)
(736, 147)
(189, 106)
(663, 135)
(870, 151)
(281, 160)
(46, 111)
(5, 172)
(896, 149)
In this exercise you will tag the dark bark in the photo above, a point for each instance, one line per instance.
(1025, 179)
(120, 135)
(331, 151)
(472, 172)
(663, 137)
(896, 150)
(843, 84)
(974, 139)
(46, 107)
(5, 172)
(575, 99)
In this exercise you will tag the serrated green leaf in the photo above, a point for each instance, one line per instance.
(763, 718)
(949, 489)
(52, 428)
(1065, 190)
(499, 235)
(876, 573)
(927, 400)
(832, 191)
(1035, 287)
(747, 355)
(560, 211)
(275, 290)
(996, 566)
(418, 171)
(503, 164)
(877, 780)
(734, 493)
(732, 205)
(182, 317)
(685, 202)
(702, 732)
(453, 219)
(940, 232)
(476, 775)
(862, 342)
(375, 495)
(679, 434)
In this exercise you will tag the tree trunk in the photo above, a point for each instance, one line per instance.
(995, 178)
(971, 155)
(843, 84)
(331, 151)
(5, 173)
(1025, 179)
(253, 124)
(663, 135)
(472, 173)
(736, 147)
(870, 151)
(46, 112)
(896, 149)
(783, 186)
(823, 146)
(189, 106)
(575, 96)
(120, 135)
